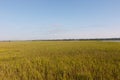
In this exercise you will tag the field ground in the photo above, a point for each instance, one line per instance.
(60, 60)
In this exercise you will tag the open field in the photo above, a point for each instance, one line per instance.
(60, 60)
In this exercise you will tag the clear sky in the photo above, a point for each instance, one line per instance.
(58, 19)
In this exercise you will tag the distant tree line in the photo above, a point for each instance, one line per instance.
(95, 39)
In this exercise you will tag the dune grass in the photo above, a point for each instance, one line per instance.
(60, 60)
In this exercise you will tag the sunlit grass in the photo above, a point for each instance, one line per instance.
(60, 60)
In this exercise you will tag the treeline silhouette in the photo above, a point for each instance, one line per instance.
(94, 39)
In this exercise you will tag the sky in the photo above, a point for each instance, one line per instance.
(59, 19)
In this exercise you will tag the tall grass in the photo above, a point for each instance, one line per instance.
(60, 60)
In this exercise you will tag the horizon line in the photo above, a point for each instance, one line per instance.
(69, 39)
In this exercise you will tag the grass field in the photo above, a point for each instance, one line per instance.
(60, 60)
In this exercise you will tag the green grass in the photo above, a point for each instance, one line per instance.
(60, 60)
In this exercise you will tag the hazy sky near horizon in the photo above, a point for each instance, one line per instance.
(58, 19)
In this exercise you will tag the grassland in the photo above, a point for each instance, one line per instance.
(60, 60)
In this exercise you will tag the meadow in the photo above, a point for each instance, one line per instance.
(60, 60)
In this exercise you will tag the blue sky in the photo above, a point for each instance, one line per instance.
(58, 19)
